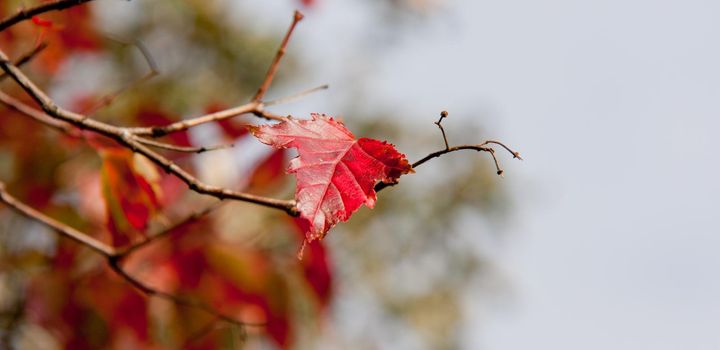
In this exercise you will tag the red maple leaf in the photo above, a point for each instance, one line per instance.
(131, 197)
(336, 173)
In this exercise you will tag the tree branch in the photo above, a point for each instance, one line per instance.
(297, 17)
(158, 131)
(114, 264)
(27, 57)
(297, 96)
(126, 137)
(15, 104)
(153, 72)
(28, 13)
(183, 149)
(443, 115)
(129, 249)
(482, 147)
(113, 257)
(65, 230)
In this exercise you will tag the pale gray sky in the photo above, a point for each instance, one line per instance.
(615, 106)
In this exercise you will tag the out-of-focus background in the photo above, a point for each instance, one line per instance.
(602, 238)
(613, 235)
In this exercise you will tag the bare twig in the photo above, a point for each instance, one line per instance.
(27, 57)
(123, 252)
(200, 333)
(256, 106)
(126, 137)
(443, 115)
(158, 131)
(65, 230)
(479, 147)
(108, 99)
(297, 96)
(200, 187)
(61, 126)
(112, 256)
(114, 264)
(297, 17)
(482, 147)
(38, 115)
(49, 106)
(183, 149)
(515, 154)
(24, 14)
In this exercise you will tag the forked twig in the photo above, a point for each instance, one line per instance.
(154, 71)
(40, 116)
(114, 264)
(482, 147)
(112, 256)
(129, 249)
(27, 57)
(127, 138)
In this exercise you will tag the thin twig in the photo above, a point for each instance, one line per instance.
(479, 147)
(108, 99)
(123, 252)
(515, 154)
(183, 149)
(65, 230)
(61, 126)
(297, 17)
(27, 57)
(112, 256)
(158, 131)
(256, 106)
(443, 115)
(450, 150)
(49, 106)
(126, 137)
(114, 264)
(38, 115)
(200, 333)
(297, 96)
(24, 14)
(203, 188)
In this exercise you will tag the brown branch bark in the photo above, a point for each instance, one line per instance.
(112, 256)
(27, 57)
(16, 105)
(24, 14)
(129, 138)
(297, 17)
(483, 147)
(65, 230)
(129, 249)
(183, 149)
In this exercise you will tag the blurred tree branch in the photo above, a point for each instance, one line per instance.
(113, 256)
